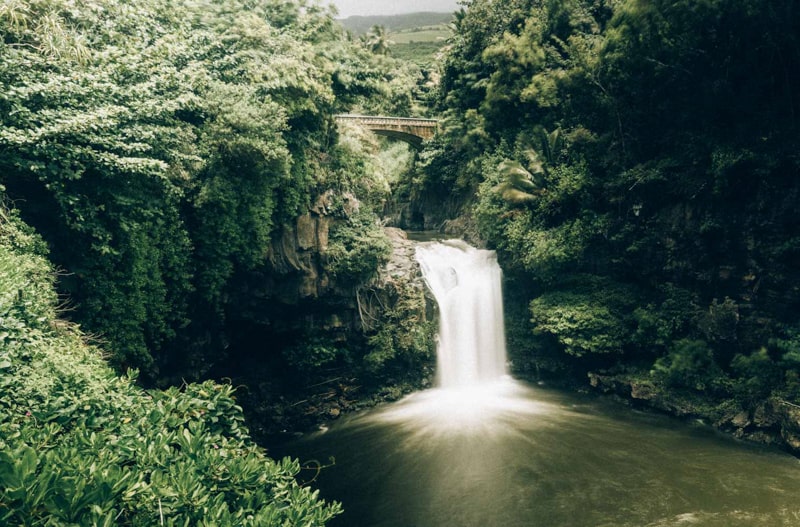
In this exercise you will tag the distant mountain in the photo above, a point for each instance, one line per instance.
(359, 25)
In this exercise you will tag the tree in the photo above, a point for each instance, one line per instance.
(377, 40)
(159, 147)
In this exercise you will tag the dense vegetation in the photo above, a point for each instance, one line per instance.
(635, 164)
(163, 149)
(181, 162)
(81, 446)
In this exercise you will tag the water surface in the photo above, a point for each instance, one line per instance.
(516, 455)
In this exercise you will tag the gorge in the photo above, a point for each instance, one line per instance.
(207, 251)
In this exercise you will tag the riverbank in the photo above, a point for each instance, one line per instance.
(773, 421)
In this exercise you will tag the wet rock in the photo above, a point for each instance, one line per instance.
(350, 204)
(322, 206)
(306, 232)
(308, 286)
(741, 420)
(323, 230)
(764, 415)
(774, 422)
(792, 439)
(790, 423)
(643, 390)
(763, 437)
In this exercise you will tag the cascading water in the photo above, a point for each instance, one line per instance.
(474, 394)
(466, 283)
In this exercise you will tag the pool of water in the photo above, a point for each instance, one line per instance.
(514, 455)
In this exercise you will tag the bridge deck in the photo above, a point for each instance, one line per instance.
(383, 120)
(410, 129)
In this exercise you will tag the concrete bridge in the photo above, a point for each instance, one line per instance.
(412, 130)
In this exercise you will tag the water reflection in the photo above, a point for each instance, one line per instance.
(514, 455)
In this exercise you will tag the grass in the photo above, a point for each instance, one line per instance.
(438, 33)
(420, 45)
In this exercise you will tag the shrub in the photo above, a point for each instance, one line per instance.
(757, 374)
(689, 364)
(82, 446)
(591, 317)
(358, 247)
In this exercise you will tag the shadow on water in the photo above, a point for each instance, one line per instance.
(514, 455)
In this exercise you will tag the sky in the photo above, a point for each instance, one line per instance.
(390, 7)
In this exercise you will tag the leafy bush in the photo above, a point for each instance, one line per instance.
(401, 339)
(357, 249)
(675, 165)
(311, 353)
(81, 446)
(158, 149)
(671, 317)
(689, 364)
(593, 318)
(757, 375)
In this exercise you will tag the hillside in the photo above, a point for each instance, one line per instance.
(639, 182)
(393, 23)
(81, 446)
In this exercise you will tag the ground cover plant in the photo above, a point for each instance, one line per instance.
(80, 445)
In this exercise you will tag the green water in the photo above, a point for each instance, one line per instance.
(525, 456)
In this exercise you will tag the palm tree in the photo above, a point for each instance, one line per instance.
(458, 20)
(523, 184)
(377, 40)
(519, 184)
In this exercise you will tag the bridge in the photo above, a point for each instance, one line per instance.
(412, 130)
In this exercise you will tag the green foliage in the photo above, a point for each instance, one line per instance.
(591, 317)
(81, 446)
(312, 353)
(357, 249)
(688, 364)
(376, 40)
(721, 321)
(671, 317)
(771, 370)
(422, 53)
(757, 375)
(365, 166)
(159, 147)
(671, 175)
(400, 338)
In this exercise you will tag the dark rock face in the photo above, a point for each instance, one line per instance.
(297, 255)
(402, 262)
(425, 211)
(298, 274)
(293, 302)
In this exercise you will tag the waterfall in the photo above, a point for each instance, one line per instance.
(466, 283)
(474, 396)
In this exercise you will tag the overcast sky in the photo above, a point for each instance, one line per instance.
(390, 7)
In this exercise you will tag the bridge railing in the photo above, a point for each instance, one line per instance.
(381, 120)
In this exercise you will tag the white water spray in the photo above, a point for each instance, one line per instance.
(466, 283)
(474, 396)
